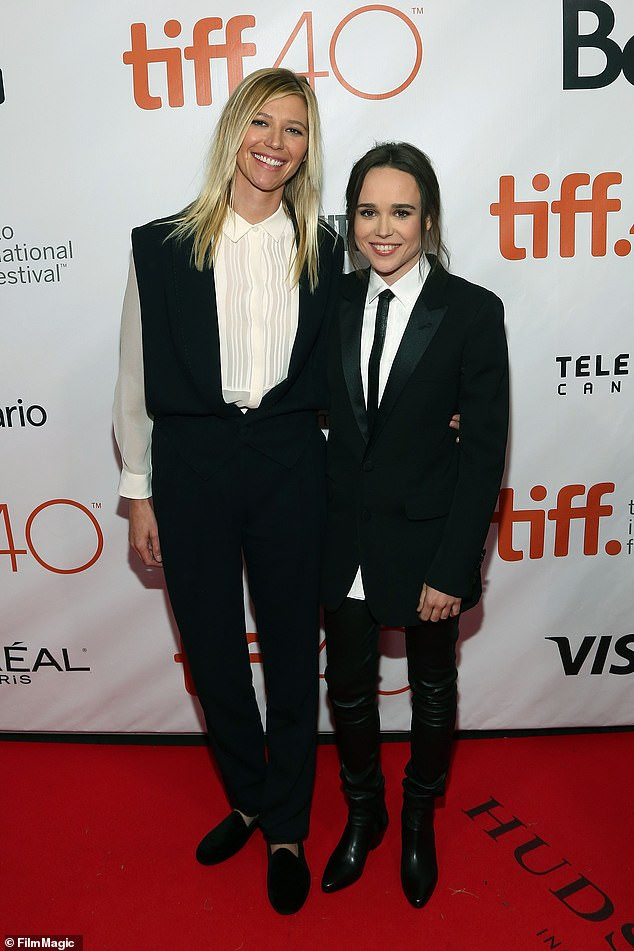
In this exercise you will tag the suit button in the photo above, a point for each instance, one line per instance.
(368, 466)
(366, 515)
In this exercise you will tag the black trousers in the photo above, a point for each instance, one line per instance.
(351, 674)
(254, 509)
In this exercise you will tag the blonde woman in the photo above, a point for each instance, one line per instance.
(222, 372)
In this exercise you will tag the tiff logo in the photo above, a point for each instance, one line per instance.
(573, 663)
(588, 512)
(569, 206)
(201, 52)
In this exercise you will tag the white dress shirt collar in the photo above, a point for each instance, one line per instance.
(277, 225)
(406, 289)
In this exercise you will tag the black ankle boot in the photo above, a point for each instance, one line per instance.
(419, 869)
(364, 831)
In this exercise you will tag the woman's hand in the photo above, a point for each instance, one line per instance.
(454, 423)
(436, 606)
(143, 532)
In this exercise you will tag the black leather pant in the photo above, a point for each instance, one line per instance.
(351, 674)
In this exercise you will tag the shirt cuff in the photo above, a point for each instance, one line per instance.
(135, 486)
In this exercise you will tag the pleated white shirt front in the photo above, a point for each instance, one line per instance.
(257, 307)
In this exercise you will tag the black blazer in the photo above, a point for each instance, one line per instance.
(181, 353)
(408, 503)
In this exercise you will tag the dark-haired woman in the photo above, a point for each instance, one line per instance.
(222, 373)
(409, 507)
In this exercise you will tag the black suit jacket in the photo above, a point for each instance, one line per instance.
(406, 502)
(181, 352)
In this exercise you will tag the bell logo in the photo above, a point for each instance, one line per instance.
(589, 511)
(201, 52)
(598, 204)
(616, 60)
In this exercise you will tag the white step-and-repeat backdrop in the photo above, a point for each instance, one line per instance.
(526, 110)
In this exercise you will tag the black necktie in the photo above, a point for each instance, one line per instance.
(380, 326)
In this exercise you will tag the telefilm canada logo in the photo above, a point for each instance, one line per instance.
(20, 663)
(22, 262)
(590, 374)
(234, 42)
(607, 59)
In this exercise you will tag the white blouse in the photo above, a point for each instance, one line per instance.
(258, 312)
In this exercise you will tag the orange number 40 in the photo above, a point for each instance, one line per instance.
(13, 552)
(306, 20)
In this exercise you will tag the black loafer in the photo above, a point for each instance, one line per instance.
(288, 880)
(419, 869)
(225, 839)
(347, 862)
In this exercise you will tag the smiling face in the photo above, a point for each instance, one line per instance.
(271, 152)
(387, 222)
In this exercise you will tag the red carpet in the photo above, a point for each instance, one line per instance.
(99, 841)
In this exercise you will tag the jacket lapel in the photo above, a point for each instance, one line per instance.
(352, 306)
(304, 339)
(194, 325)
(423, 323)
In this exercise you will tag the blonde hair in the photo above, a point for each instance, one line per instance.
(204, 218)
